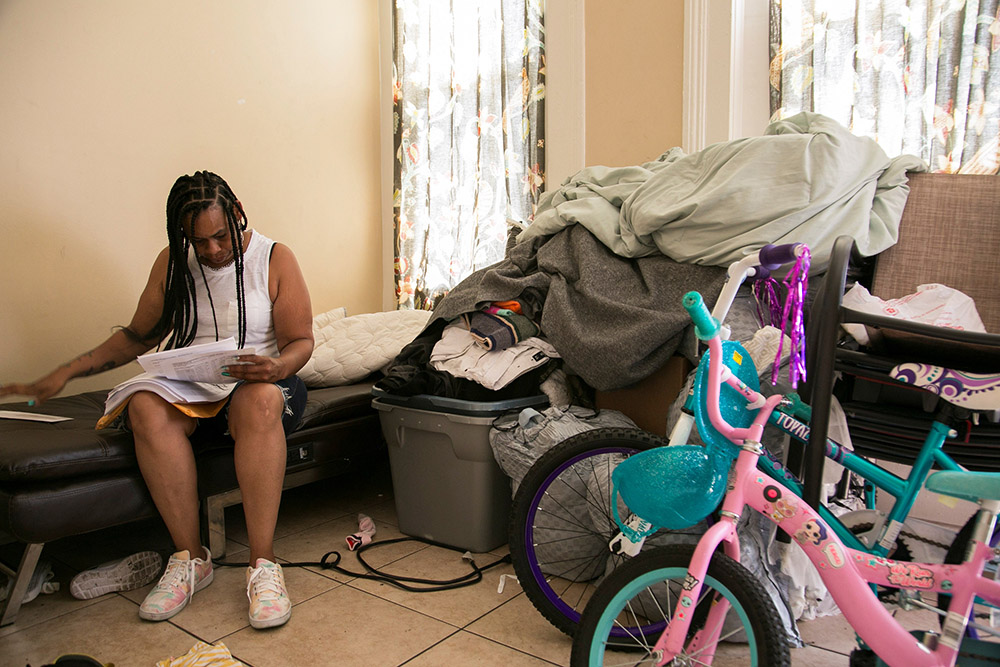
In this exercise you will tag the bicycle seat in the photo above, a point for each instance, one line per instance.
(972, 486)
(975, 391)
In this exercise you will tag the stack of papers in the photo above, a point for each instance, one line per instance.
(198, 363)
(187, 375)
(173, 391)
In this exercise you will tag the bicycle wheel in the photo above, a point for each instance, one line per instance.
(641, 596)
(561, 520)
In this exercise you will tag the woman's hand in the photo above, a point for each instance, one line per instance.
(255, 368)
(42, 389)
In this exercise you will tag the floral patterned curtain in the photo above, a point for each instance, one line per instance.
(918, 76)
(468, 92)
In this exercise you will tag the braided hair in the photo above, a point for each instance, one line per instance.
(189, 196)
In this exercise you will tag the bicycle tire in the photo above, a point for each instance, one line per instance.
(546, 530)
(643, 591)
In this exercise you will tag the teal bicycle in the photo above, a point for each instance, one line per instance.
(563, 515)
(697, 604)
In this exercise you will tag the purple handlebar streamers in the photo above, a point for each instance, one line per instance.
(768, 305)
(796, 285)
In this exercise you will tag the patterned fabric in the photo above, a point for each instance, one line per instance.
(976, 391)
(920, 77)
(269, 603)
(468, 93)
(203, 655)
(183, 577)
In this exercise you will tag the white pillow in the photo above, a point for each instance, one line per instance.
(323, 319)
(348, 349)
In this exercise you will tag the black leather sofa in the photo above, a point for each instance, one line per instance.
(66, 478)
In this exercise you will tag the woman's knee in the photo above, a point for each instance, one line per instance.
(149, 414)
(256, 404)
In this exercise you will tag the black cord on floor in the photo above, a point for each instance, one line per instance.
(426, 585)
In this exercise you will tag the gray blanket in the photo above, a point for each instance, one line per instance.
(613, 320)
(807, 180)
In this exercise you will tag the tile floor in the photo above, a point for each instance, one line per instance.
(337, 619)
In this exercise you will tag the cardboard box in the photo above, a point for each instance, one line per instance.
(648, 401)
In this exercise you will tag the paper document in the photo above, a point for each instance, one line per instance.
(32, 416)
(198, 363)
(172, 391)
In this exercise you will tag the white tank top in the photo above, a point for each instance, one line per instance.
(222, 283)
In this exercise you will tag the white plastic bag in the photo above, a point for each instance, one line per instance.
(934, 304)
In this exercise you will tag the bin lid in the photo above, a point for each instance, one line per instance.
(457, 405)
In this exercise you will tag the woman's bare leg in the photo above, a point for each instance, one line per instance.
(255, 424)
(163, 449)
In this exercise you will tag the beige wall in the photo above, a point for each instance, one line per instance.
(634, 79)
(105, 102)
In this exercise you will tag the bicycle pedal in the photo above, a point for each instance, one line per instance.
(621, 545)
(633, 535)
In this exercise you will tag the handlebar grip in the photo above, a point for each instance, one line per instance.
(775, 256)
(705, 326)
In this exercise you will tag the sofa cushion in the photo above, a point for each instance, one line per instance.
(42, 451)
(49, 510)
(326, 405)
(36, 451)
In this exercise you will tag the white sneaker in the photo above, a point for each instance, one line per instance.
(269, 603)
(125, 574)
(41, 582)
(183, 577)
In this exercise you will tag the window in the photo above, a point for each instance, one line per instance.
(918, 76)
(468, 91)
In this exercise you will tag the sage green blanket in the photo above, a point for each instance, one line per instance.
(806, 180)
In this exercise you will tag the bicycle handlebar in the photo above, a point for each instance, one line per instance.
(705, 326)
(772, 257)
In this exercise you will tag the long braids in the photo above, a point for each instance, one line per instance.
(189, 196)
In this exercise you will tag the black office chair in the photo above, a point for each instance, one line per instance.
(949, 234)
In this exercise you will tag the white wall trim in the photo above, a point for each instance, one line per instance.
(695, 75)
(736, 55)
(725, 71)
(386, 158)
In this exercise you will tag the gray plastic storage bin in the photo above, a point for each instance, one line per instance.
(447, 486)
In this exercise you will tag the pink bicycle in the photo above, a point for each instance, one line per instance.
(697, 605)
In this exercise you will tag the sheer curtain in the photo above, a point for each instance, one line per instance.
(468, 91)
(918, 76)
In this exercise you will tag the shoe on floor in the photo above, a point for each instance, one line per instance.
(183, 577)
(269, 603)
(124, 574)
(41, 582)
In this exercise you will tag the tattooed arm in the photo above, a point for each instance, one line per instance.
(123, 346)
